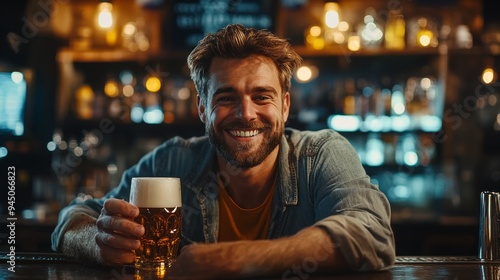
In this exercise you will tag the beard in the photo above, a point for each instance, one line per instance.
(240, 156)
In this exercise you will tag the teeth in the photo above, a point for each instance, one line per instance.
(242, 133)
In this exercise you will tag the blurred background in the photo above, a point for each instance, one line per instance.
(88, 87)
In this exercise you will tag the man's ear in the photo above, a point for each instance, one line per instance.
(286, 106)
(200, 102)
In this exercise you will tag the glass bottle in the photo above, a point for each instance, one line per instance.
(395, 31)
(426, 35)
(370, 31)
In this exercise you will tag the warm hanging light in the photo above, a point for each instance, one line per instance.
(105, 14)
(332, 17)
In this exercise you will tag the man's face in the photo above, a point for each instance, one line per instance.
(244, 111)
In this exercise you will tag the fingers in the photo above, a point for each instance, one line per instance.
(117, 224)
(116, 241)
(114, 256)
(118, 234)
(116, 217)
(119, 207)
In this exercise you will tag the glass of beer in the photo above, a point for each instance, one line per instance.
(160, 212)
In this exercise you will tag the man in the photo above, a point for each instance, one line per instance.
(258, 199)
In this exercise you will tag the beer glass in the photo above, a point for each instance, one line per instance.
(160, 206)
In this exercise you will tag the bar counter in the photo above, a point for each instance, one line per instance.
(54, 266)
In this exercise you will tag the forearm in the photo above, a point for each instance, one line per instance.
(78, 241)
(310, 251)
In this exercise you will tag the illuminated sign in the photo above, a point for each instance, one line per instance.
(192, 20)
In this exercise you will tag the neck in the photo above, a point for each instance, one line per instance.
(248, 187)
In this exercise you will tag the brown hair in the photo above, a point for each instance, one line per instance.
(237, 41)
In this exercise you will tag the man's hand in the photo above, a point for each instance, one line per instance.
(117, 233)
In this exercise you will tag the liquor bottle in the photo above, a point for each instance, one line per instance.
(349, 99)
(84, 99)
(395, 31)
(370, 31)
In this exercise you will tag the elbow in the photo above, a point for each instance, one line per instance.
(384, 260)
(381, 256)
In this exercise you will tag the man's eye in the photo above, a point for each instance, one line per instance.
(224, 99)
(263, 97)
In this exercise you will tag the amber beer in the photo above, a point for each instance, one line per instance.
(160, 206)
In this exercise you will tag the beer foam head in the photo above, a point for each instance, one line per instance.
(156, 192)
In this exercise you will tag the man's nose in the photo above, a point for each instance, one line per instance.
(247, 109)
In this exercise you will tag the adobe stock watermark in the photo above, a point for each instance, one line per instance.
(31, 26)
(11, 218)
(462, 111)
(121, 110)
(393, 6)
(309, 264)
(72, 160)
(190, 211)
(105, 126)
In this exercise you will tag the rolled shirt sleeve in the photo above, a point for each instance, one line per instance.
(354, 211)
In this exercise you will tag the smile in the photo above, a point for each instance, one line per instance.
(243, 133)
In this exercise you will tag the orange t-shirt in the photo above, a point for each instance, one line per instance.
(236, 223)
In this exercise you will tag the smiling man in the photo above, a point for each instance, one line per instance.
(245, 110)
(257, 199)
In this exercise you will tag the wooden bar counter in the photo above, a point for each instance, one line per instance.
(54, 266)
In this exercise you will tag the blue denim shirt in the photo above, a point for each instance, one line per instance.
(321, 182)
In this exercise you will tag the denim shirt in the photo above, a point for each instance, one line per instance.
(321, 182)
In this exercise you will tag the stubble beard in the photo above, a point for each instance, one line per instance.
(239, 156)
